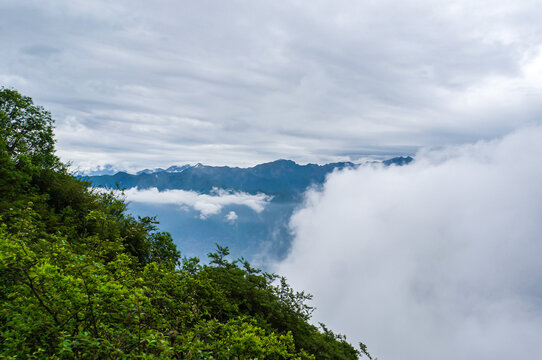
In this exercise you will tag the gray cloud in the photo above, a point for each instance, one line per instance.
(436, 260)
(143, 85)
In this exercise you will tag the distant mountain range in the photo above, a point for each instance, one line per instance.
(259, 236)
(283, 179)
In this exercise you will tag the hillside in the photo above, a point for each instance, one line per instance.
(83, 279)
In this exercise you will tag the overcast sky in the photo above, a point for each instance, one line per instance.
(143, 84)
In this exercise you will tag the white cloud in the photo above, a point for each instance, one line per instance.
(206, 204)
(436, 260)
(232, 217)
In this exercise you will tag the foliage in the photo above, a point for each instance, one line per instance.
(80, 278)
(26, 129)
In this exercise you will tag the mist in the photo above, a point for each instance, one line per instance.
(205, 204)
(440, 259)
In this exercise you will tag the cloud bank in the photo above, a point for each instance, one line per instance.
(436, 260)
(206, 204)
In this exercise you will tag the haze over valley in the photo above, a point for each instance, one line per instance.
(247, 209)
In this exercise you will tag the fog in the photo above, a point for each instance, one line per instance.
(440, 259)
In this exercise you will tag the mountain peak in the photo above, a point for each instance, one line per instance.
(277, 163)
(177, 168)
(400, 161)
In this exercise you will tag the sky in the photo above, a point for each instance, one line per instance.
(140, 84)
(439, 259)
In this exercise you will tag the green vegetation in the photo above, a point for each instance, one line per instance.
(80, 278)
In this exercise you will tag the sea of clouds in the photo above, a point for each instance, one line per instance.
(440, 259)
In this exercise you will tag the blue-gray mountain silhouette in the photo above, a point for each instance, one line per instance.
(283, 179)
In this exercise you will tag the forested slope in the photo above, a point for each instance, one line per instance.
(80, 278)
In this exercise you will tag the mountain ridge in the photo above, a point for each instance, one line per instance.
(284, 179)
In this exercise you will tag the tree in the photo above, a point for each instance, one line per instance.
(26, 129)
